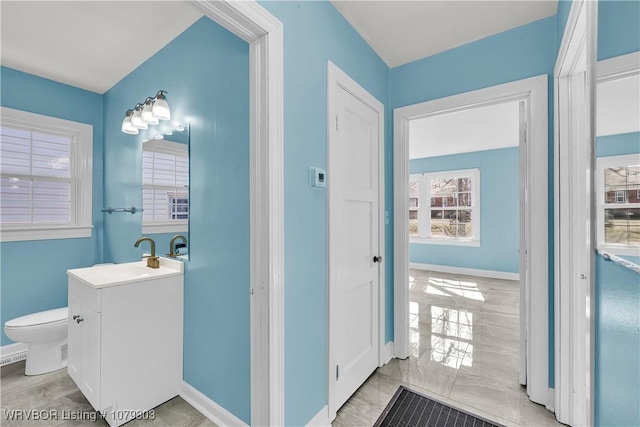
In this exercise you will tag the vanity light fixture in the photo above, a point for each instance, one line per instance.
(161, 107)
(148, 113)
(127, 127)
(136, 119)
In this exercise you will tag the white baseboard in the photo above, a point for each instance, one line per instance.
(321, 419)
(208, 407)
(551, 400)
(466, 271)
(389, 353)
(12, 353)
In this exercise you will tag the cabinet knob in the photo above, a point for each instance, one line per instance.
(79, 319)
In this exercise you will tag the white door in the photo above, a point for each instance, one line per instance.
(354, 250)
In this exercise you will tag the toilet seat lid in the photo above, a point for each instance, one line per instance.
(41, 318)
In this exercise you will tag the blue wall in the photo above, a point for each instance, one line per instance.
(522, 52)
(499, 212)
(618, 28)
(33, 273)
(315, 32)
(618, 145)
(206, 73)
(617, 365)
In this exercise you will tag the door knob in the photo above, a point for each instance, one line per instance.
(76, 316)
(377, 259)
(79, 319)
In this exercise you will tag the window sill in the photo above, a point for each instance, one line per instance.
(165, 227)
(446, 242)
(621, 250)
(15, 234)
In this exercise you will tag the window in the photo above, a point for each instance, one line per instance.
(45, 177)
(165, 187)
(413, 208)
(618, 215)
(453, 215)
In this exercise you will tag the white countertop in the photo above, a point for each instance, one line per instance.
(103, 276)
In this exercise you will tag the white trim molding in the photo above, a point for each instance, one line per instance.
(535, 144)
(503, 275)
(321, 419)
(618, 67)
(574, 212)
(254, 24)
(388, 353)
(12, 353)
(208, 407)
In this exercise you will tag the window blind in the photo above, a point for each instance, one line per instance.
(165, 181)
(36, 177)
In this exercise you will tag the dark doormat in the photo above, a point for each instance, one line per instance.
(410, 409)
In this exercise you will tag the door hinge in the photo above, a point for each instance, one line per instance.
(337, 372)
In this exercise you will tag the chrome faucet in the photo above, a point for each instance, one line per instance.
(152, 261)
(172, 244)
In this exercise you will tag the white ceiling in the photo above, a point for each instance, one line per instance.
(618, 106)
(94, 44)
(88, 44)
(477, 129)
(404, 31)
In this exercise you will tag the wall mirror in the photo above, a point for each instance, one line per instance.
(617, 177)
(165, 189)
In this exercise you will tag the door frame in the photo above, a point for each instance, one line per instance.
(336, 77)
(574, 276)
(534, 89)
(264, 33)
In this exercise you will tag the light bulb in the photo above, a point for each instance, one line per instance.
(127, 127)
(136, 118)
(147, 113)
(161, 107)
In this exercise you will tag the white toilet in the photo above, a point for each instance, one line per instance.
(45, 334)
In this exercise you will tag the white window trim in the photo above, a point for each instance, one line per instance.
(81, 189)
(602, 163)
(168, 226)
(424, 209)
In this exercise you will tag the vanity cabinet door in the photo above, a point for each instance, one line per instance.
(75, 340)
(84, 348)
(90, 364)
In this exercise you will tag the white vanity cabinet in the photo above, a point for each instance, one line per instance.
(125, 337)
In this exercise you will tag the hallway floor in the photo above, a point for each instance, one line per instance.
(464, 334)
(57, 401)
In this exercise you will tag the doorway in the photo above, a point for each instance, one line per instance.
(533, 246)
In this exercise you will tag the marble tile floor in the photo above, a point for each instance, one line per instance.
(57, 391)
(464, 335)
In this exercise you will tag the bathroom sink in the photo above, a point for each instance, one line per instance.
(119, 274)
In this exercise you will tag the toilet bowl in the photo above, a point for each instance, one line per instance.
(45, 334)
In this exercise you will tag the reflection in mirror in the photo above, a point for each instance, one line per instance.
(617, 177)
(165, 188)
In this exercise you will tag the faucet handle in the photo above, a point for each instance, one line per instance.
(153, 261)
